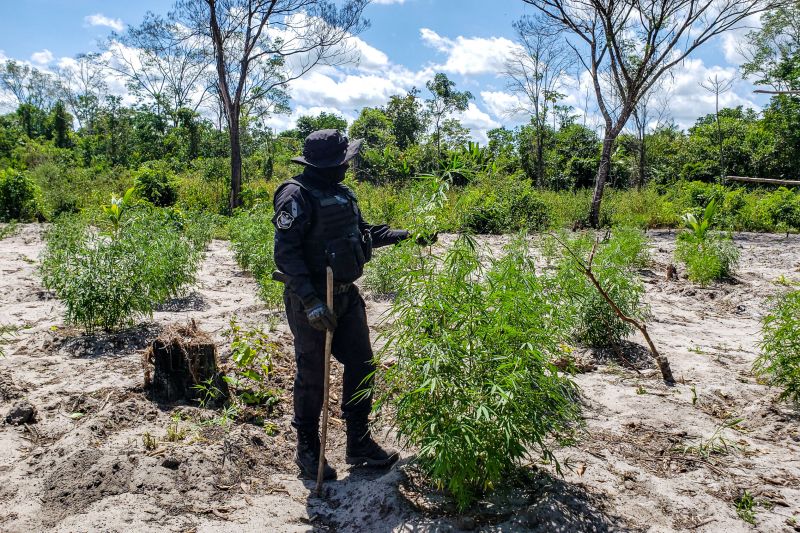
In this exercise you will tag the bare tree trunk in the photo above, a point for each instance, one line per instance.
(603, 172)
(642, 150)
(539, 157)
(236, 160)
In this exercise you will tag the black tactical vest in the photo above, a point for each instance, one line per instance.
(334, 238)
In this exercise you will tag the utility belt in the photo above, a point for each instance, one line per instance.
(338, 288)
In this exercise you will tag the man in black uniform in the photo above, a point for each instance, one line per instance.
(318, 224)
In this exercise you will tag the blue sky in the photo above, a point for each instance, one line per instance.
(407, 42)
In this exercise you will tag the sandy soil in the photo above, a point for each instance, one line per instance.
(652, 458)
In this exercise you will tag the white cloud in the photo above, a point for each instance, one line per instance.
(688, 100)
(470, 55)
(98, 19)
(478, 122)
(506, 106)
(42, 58)
(733, 41)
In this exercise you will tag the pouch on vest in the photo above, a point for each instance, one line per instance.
(366, 246)
(346, 258)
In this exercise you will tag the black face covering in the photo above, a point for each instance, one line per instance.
(335, 174)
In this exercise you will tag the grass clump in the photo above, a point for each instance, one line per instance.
(779, 362)
(708, 256)
(614, 262)
(115, 271)
(473, 387)
(253, 241)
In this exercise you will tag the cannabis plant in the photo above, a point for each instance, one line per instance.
(252, 353)
(473, 387)
(116, 271)
(253, 241)
(708, 256)
(779, 362)
(614, 264)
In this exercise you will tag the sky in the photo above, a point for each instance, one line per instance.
(408, 41)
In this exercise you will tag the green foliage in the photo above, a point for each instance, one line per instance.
(473, 387)
(19, 197)
(709, 260)
(155, 183)
(108, 279)
(383, 275)
(252, 353)
(779, 362)
(614, 263)
(746, 507)
(8, 230)
(252, 239)
(707, 256)
(782, 209)
(502, 205)
(6, 332)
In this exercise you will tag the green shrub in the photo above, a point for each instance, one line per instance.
(502, 206)
(19, 197)
(779, 362)
(614, 263)
(782, 209)
(473, 387)
(708, 256)
(253, 241)
(155, 183)
(109, 279)
(707, 260)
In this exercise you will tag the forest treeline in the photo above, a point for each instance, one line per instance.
(70, 144)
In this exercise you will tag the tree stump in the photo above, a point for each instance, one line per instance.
(185, 368)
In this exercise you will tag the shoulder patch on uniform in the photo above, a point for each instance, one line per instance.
(284, 220)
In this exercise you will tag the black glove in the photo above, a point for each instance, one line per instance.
(427, 240)
(320, 316)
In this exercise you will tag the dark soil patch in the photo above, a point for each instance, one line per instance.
(528, 500)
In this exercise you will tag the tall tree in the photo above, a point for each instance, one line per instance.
(628, 45)
(161, 63)
(536, 72)
(407, 117)
(29, 85)
(773, 52)
(60, 125)
(444, 101)
(259, 46)
(717, 87)
(650, 112)
(83, 85)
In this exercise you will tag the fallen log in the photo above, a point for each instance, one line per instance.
(765, 181)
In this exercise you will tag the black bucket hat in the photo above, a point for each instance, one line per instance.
(327, 149)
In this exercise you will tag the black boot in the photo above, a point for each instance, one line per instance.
(361, 449)
(307, 456)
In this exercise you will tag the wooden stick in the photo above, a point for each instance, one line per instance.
(327, 386)
(661, 361)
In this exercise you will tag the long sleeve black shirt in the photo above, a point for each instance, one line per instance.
(293, 212)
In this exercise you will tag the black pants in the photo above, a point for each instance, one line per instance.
(351, 347)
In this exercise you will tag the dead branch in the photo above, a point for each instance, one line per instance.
(586, 269)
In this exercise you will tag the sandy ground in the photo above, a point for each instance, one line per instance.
(652, 458)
